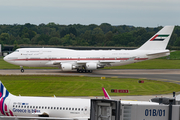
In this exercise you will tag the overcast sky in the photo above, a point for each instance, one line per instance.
(143, 13)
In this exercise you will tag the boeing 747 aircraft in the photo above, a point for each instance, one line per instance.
(88, 60)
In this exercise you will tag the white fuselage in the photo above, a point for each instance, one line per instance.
(48, 57)
(51, 106)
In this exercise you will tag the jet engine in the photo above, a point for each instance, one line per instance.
(66, 66)
(91, 66)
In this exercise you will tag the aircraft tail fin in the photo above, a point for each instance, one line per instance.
(3, 91)
(159, 41)
(3, 95)
(106, 94)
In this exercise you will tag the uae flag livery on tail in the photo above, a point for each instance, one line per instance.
(159, 37)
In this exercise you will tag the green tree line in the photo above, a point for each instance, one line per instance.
(80, 35)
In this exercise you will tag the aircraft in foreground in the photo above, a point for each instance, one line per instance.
(23, 107)
(12, 106)
(88, 60)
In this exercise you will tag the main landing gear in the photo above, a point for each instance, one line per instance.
(22, 70)
(84, 71)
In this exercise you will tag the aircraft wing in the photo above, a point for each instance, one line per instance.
(87, 61)
(41, 118)
(56, 63)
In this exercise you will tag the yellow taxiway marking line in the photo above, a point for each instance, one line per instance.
(173, 81)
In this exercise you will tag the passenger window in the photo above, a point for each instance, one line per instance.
(57, 108)
(45, 108)
(27, 106)
(51, 107)
(24, 106)
(66, 108)
(63, 108)
(48, 107)
(30, 106)
(36, 107)
(42, 107)
(72, 108)
(85, 109)
(54, 107)
(82, 109)
(75, 108)
(60, 108)
(33, 106)
(39, 107)
(16, 106)
(21, 106)
(79, 109)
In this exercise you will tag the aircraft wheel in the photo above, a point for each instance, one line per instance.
(22, 70)
(80, 71)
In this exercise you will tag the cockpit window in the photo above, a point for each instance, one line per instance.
(16, 51)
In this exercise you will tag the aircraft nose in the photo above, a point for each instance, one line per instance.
(5, 58)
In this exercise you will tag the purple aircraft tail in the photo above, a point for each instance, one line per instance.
(3, 95)
(106, 94)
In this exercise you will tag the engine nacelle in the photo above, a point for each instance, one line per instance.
(91, 66)
(66, 66)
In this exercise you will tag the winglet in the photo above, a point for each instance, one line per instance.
(106, 94)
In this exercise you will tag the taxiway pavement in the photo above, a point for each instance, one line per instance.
(166, 75)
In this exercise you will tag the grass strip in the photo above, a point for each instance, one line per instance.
(39, 85)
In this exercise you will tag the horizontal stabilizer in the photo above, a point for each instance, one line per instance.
(158, 53)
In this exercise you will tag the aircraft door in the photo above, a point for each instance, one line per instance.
(26, 55)
(86, 110)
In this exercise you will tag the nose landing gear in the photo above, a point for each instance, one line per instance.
(22, 70)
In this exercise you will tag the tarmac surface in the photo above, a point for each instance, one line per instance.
(166, 75)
